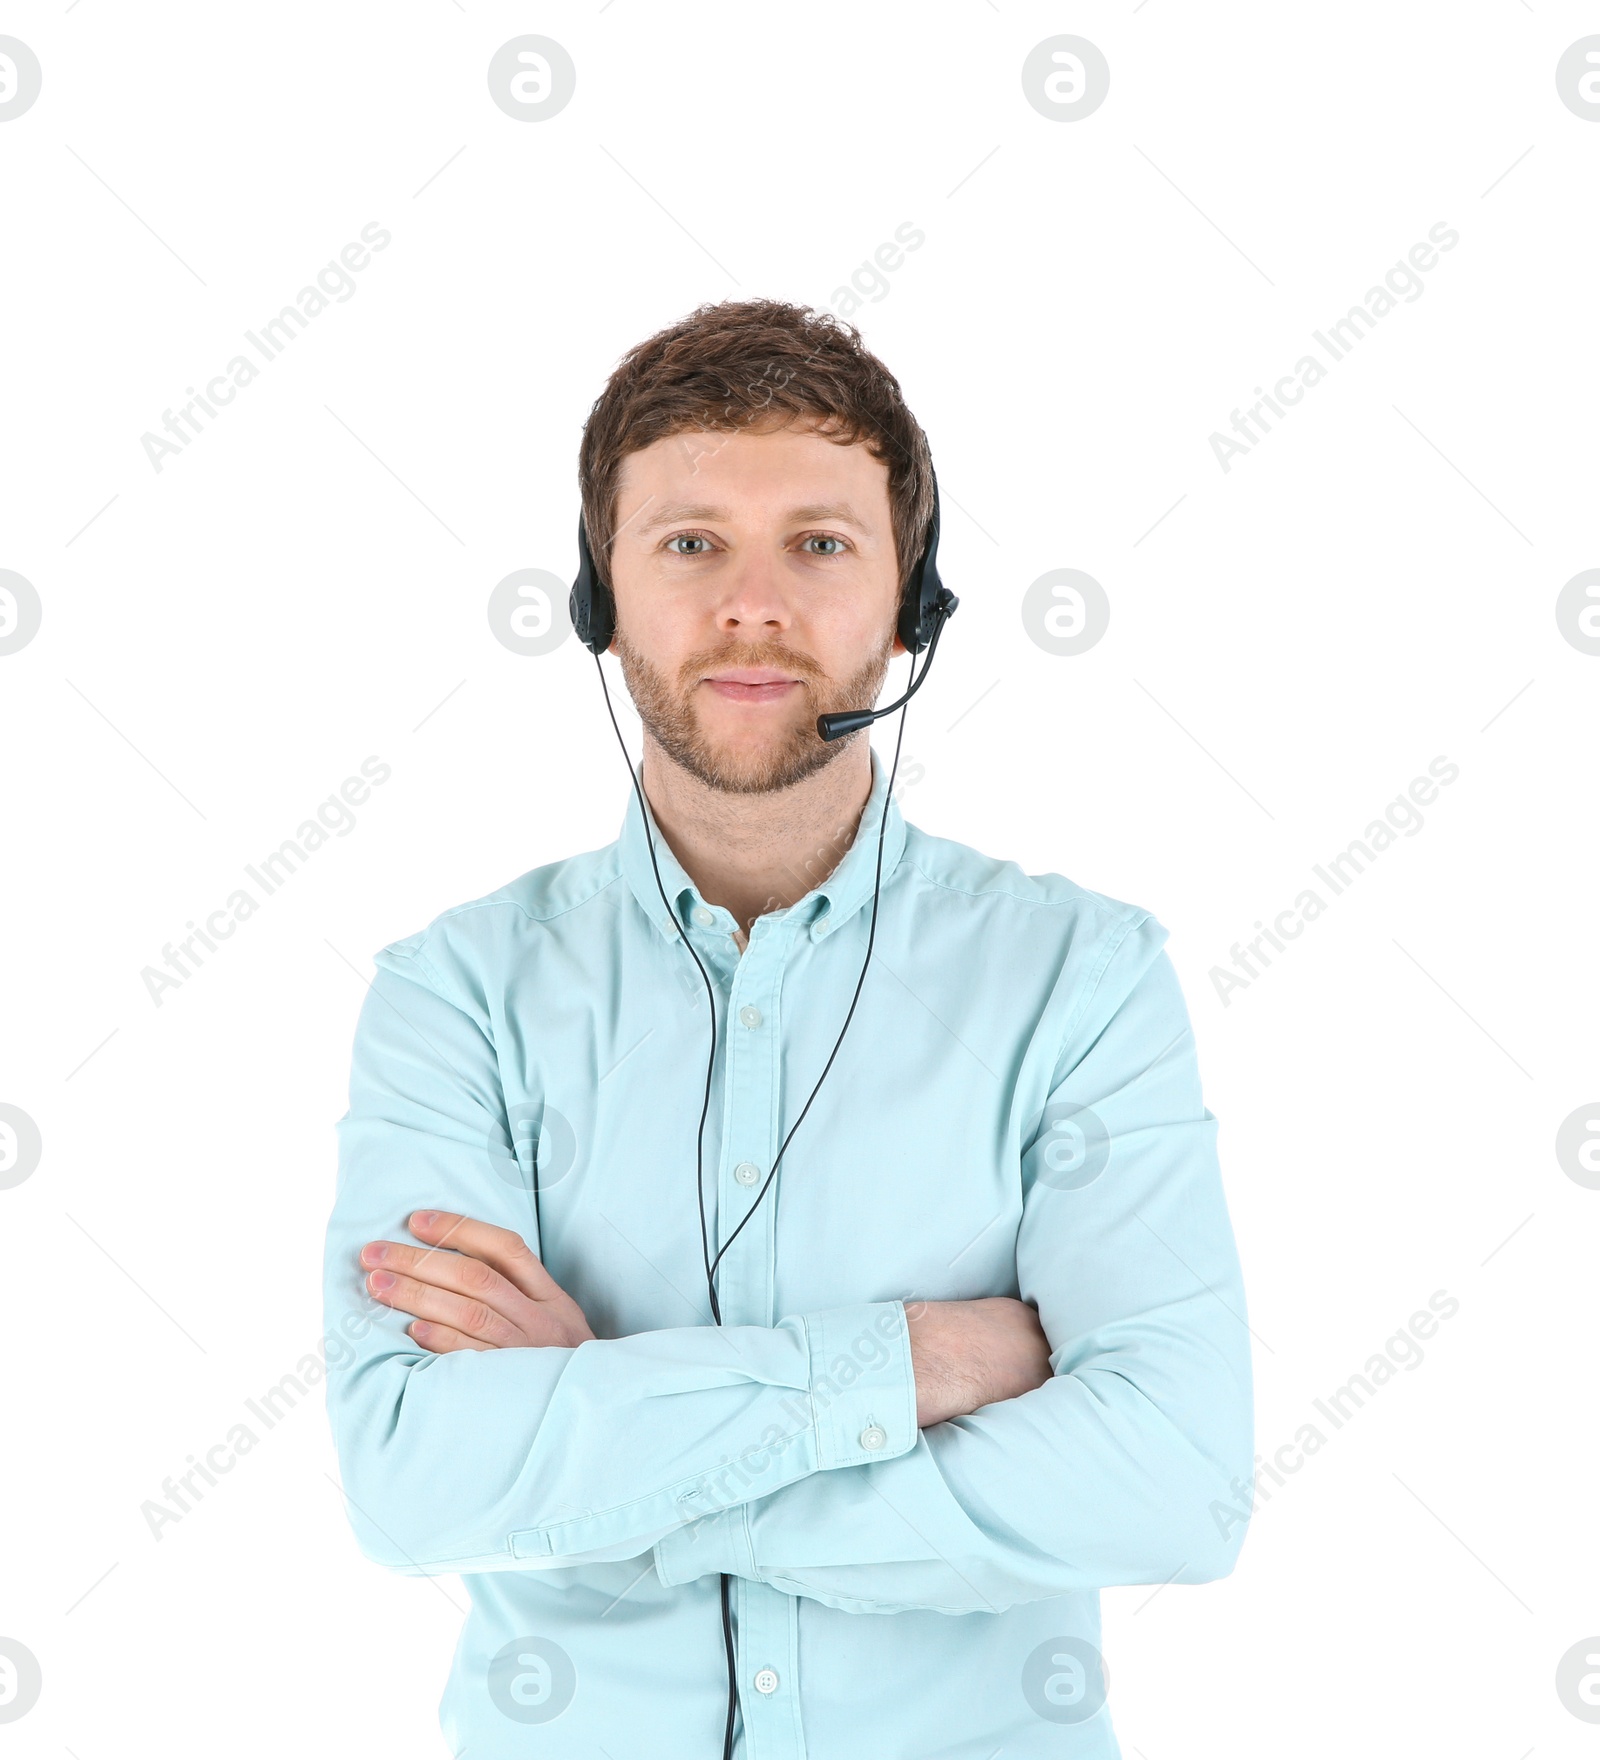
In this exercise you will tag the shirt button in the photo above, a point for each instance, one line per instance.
(873, 1437)
(767, 1680)
(747, 1173)
(750, 1017)
(703, 917)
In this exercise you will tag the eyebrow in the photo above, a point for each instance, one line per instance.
(835, 510)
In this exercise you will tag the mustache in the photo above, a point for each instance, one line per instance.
(779, 659)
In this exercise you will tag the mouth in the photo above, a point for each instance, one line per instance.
(752, 685)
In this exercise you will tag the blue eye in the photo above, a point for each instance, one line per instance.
(680, 538)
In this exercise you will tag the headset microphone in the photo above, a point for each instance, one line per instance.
(844, 721)
(925, 606)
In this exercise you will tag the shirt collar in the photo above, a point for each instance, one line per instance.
(831, 902)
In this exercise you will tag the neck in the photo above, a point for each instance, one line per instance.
(754, 853)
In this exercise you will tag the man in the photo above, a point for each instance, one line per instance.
(976, 1350)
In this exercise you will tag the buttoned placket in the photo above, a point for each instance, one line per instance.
(748, 1065)
(750, 1059)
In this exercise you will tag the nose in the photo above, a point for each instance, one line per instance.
(753, 598)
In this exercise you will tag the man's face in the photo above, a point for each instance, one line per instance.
(756, 579)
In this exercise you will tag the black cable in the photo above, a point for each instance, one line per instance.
(711, 1061)
(538, 1225)
(705, 1107)
(877, 877)
(725, 1581)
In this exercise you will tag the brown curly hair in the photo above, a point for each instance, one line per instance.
(742, 363)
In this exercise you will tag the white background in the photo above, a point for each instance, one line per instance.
(1291, 642)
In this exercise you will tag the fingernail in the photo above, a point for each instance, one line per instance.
(381, 1280)
(374, 1251)
(426, 1217)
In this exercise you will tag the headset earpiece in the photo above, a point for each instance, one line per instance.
(590, 603)
(924, 588)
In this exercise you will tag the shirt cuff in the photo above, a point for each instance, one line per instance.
(863, 1391)
(863, 1396)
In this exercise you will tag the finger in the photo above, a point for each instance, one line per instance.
(428, 1302)
(452, 1271)
(506, 1251)
(443, 1339)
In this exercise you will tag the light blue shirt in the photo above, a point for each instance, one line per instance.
(1015, 1110)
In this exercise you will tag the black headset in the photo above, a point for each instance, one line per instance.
(925, 606)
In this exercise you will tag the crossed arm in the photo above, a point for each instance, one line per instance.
(478, 1287)
(951, 1456)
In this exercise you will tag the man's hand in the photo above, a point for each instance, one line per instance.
(474, 1287)
(968, 1354)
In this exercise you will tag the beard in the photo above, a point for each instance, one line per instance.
(796, 750)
